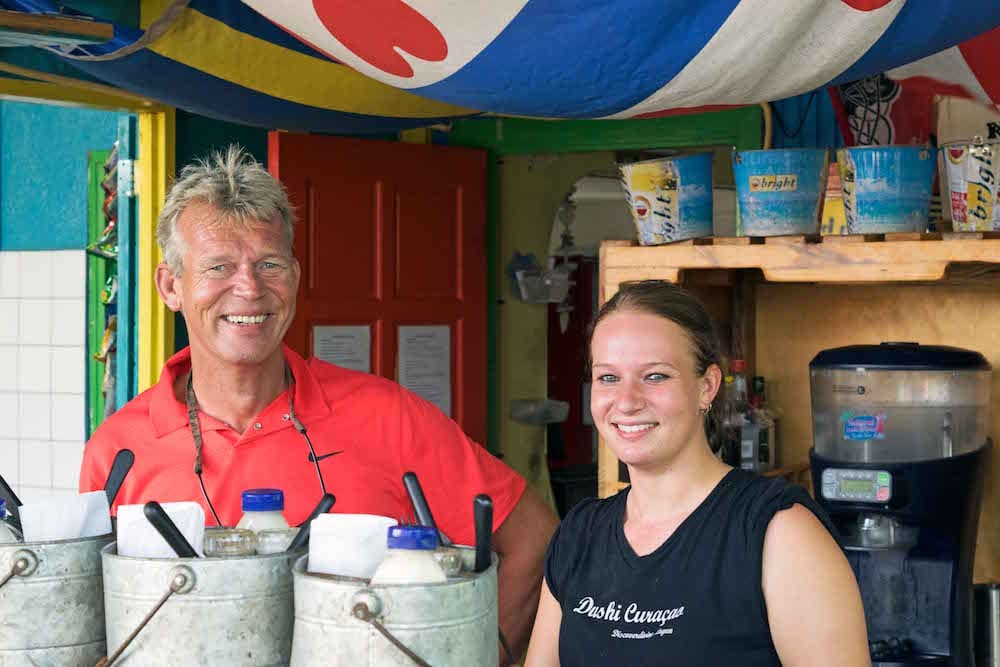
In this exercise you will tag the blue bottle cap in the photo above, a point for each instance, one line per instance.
(263, 500)
(3, 508)
(412, 537)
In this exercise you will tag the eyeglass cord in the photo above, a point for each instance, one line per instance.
(193, 421)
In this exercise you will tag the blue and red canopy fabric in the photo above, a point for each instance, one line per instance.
(353, 67)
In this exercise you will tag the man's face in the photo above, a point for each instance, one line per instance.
(237, 288)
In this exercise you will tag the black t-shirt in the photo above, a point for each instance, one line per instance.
(696, 600)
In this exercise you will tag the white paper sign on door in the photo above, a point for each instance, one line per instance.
(345, 346)
(424, 361)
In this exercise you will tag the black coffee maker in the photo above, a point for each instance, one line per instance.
(899, 435)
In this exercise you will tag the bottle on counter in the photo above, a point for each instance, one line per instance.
(741, 424)
(410, 557)
(263, 510)
(7, 534)
(767, 425)
(729, 449)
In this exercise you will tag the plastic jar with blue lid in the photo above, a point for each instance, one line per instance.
(410, 557)
(263, 509)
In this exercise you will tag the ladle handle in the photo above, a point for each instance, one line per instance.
(119, 469)
(302, 537)
(156, 515)
(420, 506)
(482, 517)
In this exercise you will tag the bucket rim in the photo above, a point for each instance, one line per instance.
(665, 158)
(916, 147)
(299, 570)
(111, 551)
(965, 143)
(806, 149)
(46, 543)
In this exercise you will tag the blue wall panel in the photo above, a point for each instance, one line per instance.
(43, 173)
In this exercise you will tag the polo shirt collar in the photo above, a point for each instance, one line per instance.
(168, 414)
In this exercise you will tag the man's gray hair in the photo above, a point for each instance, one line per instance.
(236, 185)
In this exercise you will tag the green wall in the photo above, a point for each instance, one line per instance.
(531, 189)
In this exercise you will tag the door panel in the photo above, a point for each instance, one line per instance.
(392, 235)
(355, 274)
(415, 276)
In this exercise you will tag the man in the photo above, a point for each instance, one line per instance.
(238, 409)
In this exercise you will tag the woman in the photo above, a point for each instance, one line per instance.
(696, 563)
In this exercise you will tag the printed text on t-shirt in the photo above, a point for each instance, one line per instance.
(616, 611)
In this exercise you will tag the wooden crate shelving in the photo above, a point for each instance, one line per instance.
(790, 297)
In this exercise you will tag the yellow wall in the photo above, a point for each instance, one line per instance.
(962, 316)
(531, 189)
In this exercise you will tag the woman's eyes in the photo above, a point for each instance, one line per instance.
(608, 378)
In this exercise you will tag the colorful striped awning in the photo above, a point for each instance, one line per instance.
(380, 65)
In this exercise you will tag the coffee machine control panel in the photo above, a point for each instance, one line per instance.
(850, 485)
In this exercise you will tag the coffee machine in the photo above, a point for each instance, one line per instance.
(899, 449)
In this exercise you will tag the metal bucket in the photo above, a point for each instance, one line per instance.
(52, 606)
(215, 611)
(780, 191)
(886, 188)
(972, 169)
(340, 621)
(670, 198)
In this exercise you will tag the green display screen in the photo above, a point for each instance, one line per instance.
(856, 486)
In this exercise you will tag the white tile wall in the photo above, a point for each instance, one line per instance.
(9, 312)
(42, 370)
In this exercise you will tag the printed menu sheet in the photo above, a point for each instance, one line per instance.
(345, 346)
(424, 361)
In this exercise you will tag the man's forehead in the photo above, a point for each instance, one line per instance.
(203, 223)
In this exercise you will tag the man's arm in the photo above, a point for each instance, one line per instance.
(521, 542)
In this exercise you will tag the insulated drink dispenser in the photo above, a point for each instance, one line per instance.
(899, 443)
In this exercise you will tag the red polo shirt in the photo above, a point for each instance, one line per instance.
(367, 431)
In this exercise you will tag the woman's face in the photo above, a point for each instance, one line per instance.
(646, 397)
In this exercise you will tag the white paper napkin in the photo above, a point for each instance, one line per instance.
(349, 545)
(67, 518)
(137, 537)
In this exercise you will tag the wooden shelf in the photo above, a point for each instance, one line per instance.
(25, 29)
(817, 259)
(778, 301)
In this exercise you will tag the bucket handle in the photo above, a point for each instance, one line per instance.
(181, 582)
(24, 563)
(365, 606)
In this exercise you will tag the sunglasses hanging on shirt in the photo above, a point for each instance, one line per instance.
(195, 424)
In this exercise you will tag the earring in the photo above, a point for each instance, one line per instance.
(704, 412)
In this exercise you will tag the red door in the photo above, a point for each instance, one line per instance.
(391, 235)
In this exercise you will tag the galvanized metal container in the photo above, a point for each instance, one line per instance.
(448, 624)
(52, 608)
(780, 191)
(226, 611)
